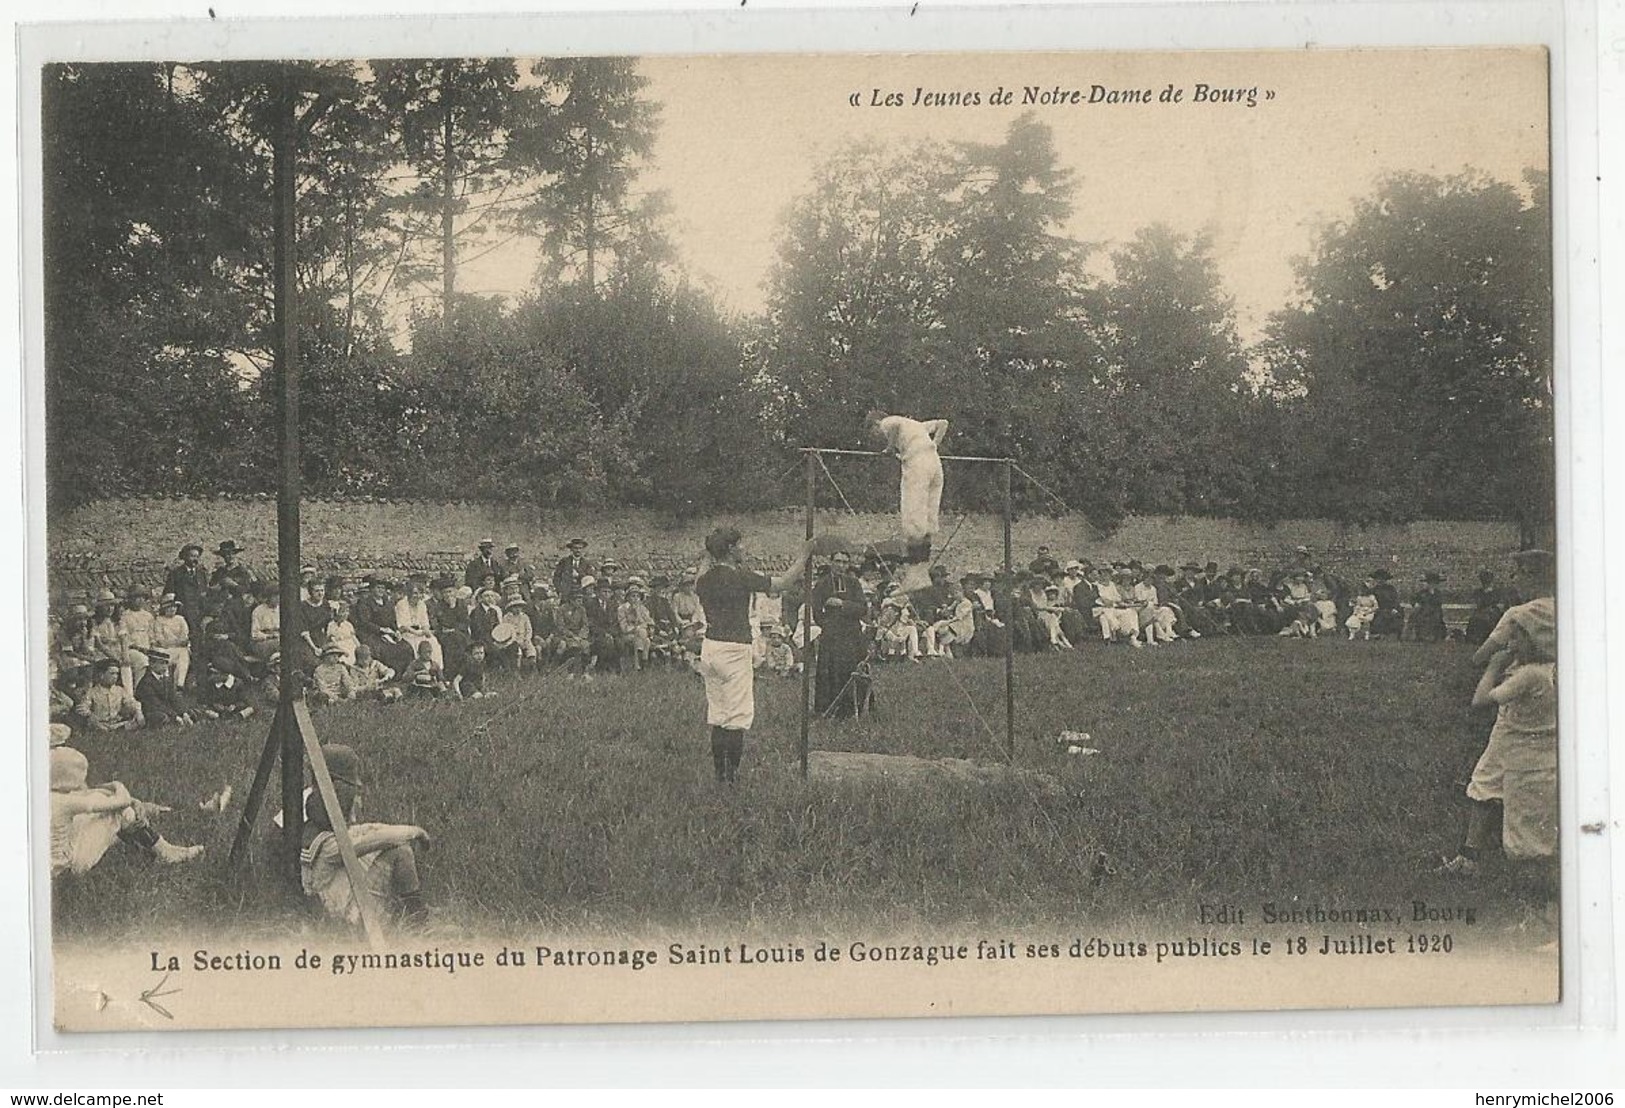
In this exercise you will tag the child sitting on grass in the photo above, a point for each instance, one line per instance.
(423, 677)
(469, 683)
(781, 657)
(333, 680)
(1518, 768)
(371, 678)
(1325, 608)
(107, 705)
(384, 850)
(1364, 611)
(86, 821)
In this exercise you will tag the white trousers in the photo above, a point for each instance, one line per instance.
(921, 495)
(730, 688)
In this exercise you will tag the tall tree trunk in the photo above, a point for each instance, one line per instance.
(591, 224)
(448, 253)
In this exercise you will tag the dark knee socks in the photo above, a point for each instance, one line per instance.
(727, 749)
(141, 836)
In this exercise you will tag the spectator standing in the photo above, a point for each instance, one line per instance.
(232, 574)
(570, 569)
(482, 564)
(188, 582)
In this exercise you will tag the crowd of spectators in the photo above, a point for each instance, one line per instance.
(1049, 606)
(208, 644)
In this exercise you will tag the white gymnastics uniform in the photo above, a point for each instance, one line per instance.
(915, 443)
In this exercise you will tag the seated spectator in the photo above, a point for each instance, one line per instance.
(1116, 610)
(66, 690)
(371, 679)
(374, 617)
(896, 625)
(1325, 609)
(223, 695)
(519, 632)
(636, 626)
(483, 619)
(449, 619)
(413, 625)
(135, 629)
(222, 655)
(314, 615)
(469, 681)
(575, 634)
(687, 610)
(1262, 613)
(600, 609)
(424, 678)
(1390, 617)
(1427, 609)
(781, 658)
(73, 649)
(106, 641)
(86, 821)
(265, 623)
(162, 702)
(172, 633)
(333, 680)
(1363, 612)
(385, 851)
(107, 705)
(957, 627)
(341, 632)
(1156, 623)
(1047, 604)
(1044, 565)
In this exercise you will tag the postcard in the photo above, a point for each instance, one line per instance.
(539, 539)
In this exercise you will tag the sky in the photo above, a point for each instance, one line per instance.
(741, 136)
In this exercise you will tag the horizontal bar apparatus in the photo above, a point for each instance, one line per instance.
(884, 454)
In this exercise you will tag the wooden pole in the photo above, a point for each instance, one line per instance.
(1009, 637)
(284, 155)
(807, 620)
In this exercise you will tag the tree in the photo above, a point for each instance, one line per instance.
(153, 282)
(448, 117)
(584, 128)
(1174, 370)
(935, 281)
(1420, 354)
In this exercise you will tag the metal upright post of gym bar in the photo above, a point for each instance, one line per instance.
(1009, 637)
(805, 617)
(811, 453)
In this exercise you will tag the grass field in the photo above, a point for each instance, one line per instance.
(1236, 771)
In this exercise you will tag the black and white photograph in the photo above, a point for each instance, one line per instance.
(601, 539)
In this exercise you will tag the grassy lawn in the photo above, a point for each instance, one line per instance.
(1234, 771)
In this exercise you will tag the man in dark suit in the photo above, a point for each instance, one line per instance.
(188, 582)
(571, 569)
(482, 565)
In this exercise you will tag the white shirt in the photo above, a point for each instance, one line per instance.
(911, 438)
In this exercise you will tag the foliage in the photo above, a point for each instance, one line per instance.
(1417, 365)
(585, 127)
(1410, 378)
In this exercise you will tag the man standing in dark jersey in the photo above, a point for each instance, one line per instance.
(725, 589)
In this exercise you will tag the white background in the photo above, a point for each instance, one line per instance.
(1576, 1047)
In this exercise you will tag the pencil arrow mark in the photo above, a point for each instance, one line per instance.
(149, 997)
